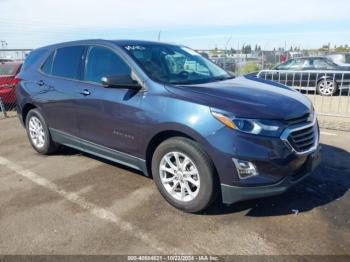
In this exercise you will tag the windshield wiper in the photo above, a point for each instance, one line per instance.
(202, 81)
(182, 83)
(222, 78)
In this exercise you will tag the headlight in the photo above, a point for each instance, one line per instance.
(251, 126)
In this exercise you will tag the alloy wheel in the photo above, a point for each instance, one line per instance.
(179, 176)
(327, 87)
(36, 132)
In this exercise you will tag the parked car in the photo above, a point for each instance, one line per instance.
(8, 82)
(311, 73)
(228, 63)
(167, 111)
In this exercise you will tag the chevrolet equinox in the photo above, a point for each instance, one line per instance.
(201, 133)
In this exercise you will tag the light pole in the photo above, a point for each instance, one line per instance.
(225, 51)
(3, 44)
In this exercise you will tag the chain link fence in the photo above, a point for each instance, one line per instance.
(8, 83)
(10, 64)
(7, 95)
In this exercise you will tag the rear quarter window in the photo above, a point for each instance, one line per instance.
(67, 62)
(33, 57)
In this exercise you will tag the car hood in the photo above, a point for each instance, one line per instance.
(248, 97)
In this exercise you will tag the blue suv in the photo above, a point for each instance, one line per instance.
(201, 133)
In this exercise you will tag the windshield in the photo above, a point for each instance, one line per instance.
(175, 64)
(8, 69)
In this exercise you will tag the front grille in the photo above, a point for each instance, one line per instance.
(302, 139)
(299, 120)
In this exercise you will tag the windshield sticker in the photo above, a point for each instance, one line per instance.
(134, 47)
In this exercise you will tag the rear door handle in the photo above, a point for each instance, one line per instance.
(40, 83)
(85, 92)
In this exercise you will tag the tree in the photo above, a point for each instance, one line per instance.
(232, 51)
(342, 48)
(215, 51)
(324, 48)
(246, 49)
(248, 68)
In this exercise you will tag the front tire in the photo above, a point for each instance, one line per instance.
(327, 87)
(39, 134)
(184, 174)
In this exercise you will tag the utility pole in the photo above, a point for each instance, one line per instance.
(225, 51)
(3, 44)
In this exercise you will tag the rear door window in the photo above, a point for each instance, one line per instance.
(102, 62)
(67, 62)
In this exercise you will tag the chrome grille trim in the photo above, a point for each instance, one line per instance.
(298, 120)
(288, 131)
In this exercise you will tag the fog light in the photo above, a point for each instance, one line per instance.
(245, 169)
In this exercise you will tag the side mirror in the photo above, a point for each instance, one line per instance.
(120, 81)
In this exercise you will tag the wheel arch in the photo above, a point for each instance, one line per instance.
(324, 77)
(26, 108)
(163, 135)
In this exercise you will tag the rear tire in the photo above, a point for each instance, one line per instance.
(327, 87)
(39, 134)
(184, 174)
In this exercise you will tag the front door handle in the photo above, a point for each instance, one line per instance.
(85, 92)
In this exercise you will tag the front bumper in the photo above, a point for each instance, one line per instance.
(232, 194)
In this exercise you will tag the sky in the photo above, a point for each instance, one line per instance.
(200, 24)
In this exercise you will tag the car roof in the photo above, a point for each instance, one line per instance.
(311, 57)
(104, 41)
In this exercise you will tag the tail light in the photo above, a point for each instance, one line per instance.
(10, 82)
(16, 80)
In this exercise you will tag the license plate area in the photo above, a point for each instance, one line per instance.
(310, 164)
